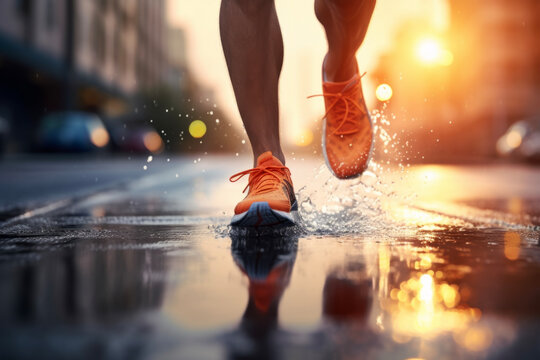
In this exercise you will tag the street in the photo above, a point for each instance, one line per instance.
(107, 259)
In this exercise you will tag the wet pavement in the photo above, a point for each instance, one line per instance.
(429, 262)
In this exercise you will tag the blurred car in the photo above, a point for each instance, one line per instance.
(72, 132)
(134, 136)
(522, 140)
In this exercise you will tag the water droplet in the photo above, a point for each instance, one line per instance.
(145, 167)
(150, 158)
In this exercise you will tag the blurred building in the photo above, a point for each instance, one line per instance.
(456, 92)
(497, 60)
(178, 74)
(77, 54)
(152, 54)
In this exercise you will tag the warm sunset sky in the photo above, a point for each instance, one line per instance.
(305, 47)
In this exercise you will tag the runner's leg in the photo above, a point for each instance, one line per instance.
(253, 47)
(346, 23)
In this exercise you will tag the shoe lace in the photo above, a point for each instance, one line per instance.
(261, 179)
(343, 106)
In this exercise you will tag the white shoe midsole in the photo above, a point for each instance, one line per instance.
(292, 216)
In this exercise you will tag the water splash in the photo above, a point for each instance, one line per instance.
(331, 206)
(328, 205)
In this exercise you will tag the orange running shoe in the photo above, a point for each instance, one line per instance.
(347, 131)
(270, 200)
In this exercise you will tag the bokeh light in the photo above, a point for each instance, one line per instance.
(384, 92)
(304, 138)
(99, 137)
(512, 245)
(153, 142)
(509, 142)
(197, 129)
(513, 139)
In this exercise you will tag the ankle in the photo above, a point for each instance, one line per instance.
(338, 68)
(275, 152)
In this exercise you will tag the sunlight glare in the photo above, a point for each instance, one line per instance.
(428, 50)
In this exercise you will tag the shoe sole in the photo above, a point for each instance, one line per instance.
(261, 214)
(326, 156)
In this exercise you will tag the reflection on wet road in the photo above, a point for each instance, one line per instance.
(139, 275)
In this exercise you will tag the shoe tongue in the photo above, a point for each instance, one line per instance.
(267, 159)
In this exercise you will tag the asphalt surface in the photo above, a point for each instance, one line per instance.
(103, 259)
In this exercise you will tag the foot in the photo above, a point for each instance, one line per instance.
(270, 200)
(347, 132)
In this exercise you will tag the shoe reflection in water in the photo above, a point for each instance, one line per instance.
(347, 295)
(268, 263)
